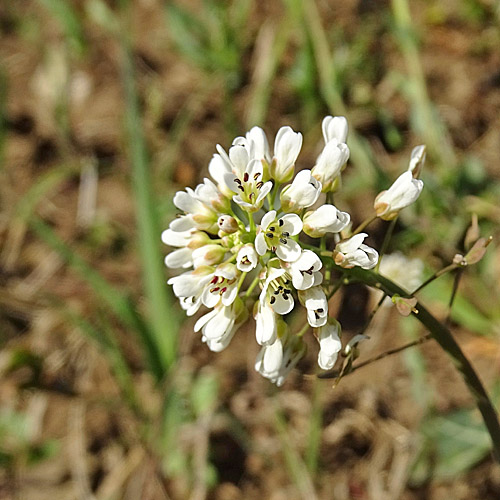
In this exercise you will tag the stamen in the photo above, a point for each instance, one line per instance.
(245, 177)
(241, 188)
(259, 184)
(273, 300)
(237, 181)
(272, 228)
(285, 234)
(223, 290)
(256, 176)
(320, 310)
(284, 241)
(269, 235)
(280, 222)
(216, 289)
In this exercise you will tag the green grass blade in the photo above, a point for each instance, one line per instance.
(162, 320)
(69, 19)
(104, 337)
(118, 303)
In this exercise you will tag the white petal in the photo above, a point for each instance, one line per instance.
(268, 219)
(260, 244)
(335, 128)
(288, 252)
(182, 224)
(291, 223)
(179, 258)
(265, 331)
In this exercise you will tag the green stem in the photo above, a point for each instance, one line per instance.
(445, 339)
(436, 275)
(385, 243)
(252, 286)
(365, 223)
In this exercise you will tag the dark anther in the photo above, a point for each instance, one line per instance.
(280, 222)
(285, 234)
(316, 314)
(272, 228)
(237, 181)
(269, 235)
(216, 289)
(245, 177)
(241, 188)
(259, 184)
(273, 300)
(223, 290)
(284, 241)
(256, 176)
(320, 310)
(276, 292)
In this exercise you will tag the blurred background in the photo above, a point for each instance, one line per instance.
(107, 108)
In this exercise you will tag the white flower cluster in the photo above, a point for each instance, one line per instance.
(235, 233)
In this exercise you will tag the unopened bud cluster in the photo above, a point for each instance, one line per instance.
(238, 240)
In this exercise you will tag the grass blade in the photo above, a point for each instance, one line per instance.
(162, 323)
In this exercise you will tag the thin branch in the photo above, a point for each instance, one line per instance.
(383, 355)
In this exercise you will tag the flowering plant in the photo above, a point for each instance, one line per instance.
(255, 224)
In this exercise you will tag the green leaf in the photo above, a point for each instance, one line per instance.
(452, 444)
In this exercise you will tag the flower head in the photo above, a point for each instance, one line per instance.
(238, 243)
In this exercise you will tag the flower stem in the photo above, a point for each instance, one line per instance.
(365, 223)
(445, 339)
(251, 223)
(252, 286)
(383, 355)
(385, 243)
(436, 275)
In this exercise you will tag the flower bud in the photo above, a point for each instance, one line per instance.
(335, 128)
(353, 252)
(329, 342)
(330, 164)
(286, 149)
(402, 193)
(326, 219)
(208, 255)
(301, 193)
(227, 224)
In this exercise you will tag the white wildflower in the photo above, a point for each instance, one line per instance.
(301, 193)
(326, 219)
(274, 234)
(353, 252)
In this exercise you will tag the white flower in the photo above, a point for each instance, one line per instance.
(286, 149)
(353, 252)
(404, 191)
(227, 225)
(277, 291)
(405, 272)
(208, 255)
(326, 219)
(223, 287)
(247, 258)
(266, 323)
(219, 325)
(316, 303)
(218, 168)
(191, 283)
(301, 193)
(330, 164)
(329, 344)
(275, 235)
(417, 160)
(198, 214)
(305, 270)
(208, 193)
(249, 186)
(335, 128)
(255, 141)
(275, 361)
